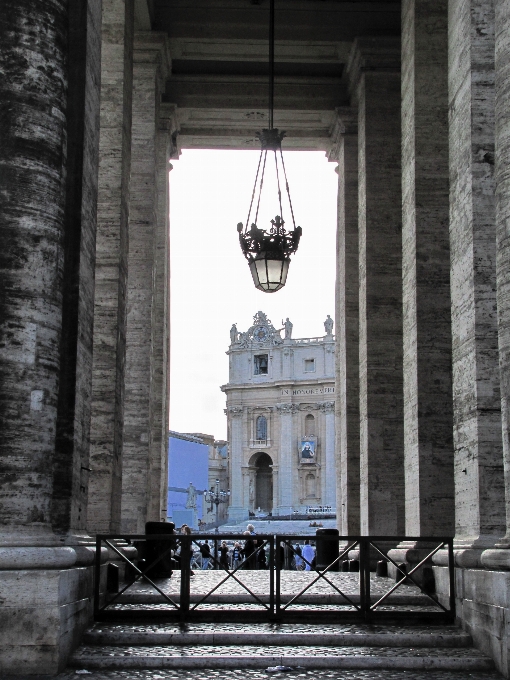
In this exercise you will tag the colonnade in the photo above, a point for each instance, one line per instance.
(422, 286)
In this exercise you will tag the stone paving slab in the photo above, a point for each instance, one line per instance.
(251, 651)
(262, 657)
(291, 582)
(285, 639)
(270, 628)
(261, 674)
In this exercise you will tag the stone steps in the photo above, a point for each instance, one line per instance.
(259, 646)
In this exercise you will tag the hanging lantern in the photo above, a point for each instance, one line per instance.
(268, 251)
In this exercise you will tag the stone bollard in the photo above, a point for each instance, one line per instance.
(381, 568)
(327, 549)
(353, 565)
(162, 568)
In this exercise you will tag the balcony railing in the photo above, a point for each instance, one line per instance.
(260, 443)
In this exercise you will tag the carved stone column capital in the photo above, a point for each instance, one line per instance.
(235, 411)
(287, 408)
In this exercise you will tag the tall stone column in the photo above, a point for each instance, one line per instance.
(151, 64)
(287, 445)
(48, 182)
(479, 506)
(49, 163)
(374, 71)
(347, 429)
(236, 510)
(112, 246)
(329, 473)
(160, 322)
(501, 558)
(428, 417)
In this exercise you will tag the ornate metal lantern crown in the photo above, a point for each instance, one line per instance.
(268, 252)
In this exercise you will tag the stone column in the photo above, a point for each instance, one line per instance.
(150, 67)
(236, 510)
(160, 341)
(347, 429)
(285, 460)
(374, 71)
(500, 559)
(276, 487)
(479, 506)
(48, 182)
(111, 267)
(328, 446)
(48, 222)
(428, 417)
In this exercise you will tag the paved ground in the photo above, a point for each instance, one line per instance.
(246, 674)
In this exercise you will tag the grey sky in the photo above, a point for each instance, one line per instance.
(211, 282)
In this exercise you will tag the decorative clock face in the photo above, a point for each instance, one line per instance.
(260, 333)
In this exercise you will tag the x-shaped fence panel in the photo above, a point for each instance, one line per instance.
(266, 583)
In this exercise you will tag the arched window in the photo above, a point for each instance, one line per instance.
(309, 425)
(261, 428)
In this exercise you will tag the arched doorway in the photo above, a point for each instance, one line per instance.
(263, 482)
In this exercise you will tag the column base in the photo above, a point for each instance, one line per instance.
(283, 511)
(236, 514)
(44, 614)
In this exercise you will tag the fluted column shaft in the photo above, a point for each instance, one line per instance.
(151, 64)
(374, 69)
(48, 167)
(112, 247)
(347, 428)
(502, 188)
(428, 418)
(479, 507)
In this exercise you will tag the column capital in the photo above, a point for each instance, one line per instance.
(346, 123)
(287, 408)
(326, 406)
(153, 48)
(169, 124)
(235, 411)
(374, 55)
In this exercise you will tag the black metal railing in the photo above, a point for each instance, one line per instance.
(278, 593)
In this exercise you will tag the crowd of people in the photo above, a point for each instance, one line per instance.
(251, 553)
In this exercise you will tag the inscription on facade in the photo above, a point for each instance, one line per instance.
(312, 390)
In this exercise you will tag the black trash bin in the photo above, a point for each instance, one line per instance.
(155, 548)
(327, 549)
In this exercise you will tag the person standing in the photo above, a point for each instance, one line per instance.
(248, 550)
(261, 554)
(297, 557)
(224, 555)
(205, 551)
(236, 556)
(308, 554)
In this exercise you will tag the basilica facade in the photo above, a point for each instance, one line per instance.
(281, 419)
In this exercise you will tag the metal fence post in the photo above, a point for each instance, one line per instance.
(364, 577)
(185, 576)
(97, 577)
(451, 572)
(278, 566)
(271, 576)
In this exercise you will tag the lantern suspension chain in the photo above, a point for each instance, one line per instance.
(268, 251)
(271, 62)
(278, 183)
(288, 190)
(254, 189)
(260, 189)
